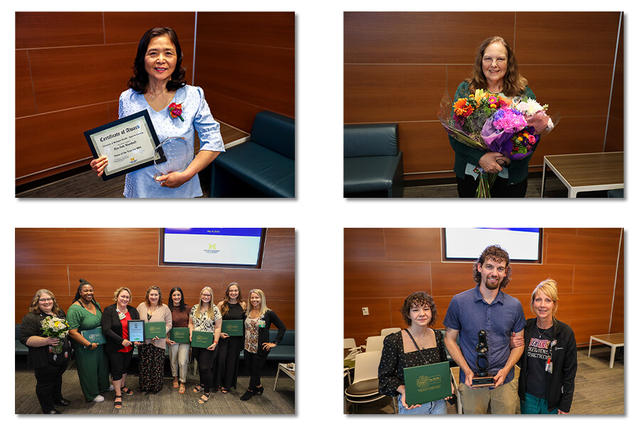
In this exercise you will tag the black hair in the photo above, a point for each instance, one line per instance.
(182, 306)
(140, 79)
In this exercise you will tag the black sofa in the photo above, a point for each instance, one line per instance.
(264, 166)
(372, 162)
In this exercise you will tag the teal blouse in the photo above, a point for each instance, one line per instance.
(518, 169)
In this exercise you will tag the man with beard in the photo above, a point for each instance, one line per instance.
(486, 308)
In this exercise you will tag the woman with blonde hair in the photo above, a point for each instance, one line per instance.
(48, 365)
(205, 317)
(152, 351)
(256, 334)
(549, 363)
(232, 307)
(119, 349)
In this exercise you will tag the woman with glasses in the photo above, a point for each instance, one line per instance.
(495, 70)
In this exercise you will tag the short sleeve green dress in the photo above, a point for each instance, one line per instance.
(92, 365)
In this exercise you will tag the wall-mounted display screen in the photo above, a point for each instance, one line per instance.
(522, 244)
(239, 247)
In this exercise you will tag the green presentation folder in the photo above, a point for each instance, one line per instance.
(234, 328)
(155, 329)
(201, 339)
(179, 335)
(427, 383)
(94, 335)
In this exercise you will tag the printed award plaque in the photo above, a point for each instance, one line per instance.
(427, 383)
(129, 143)
(136, 330)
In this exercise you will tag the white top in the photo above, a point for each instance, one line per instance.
(197, 118)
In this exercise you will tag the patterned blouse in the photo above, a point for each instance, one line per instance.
(394, 360)
(251, 334)
(203, 322)
(197, 118)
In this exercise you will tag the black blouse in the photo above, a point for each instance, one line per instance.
(394, 360)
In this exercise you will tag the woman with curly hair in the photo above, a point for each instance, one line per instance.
(414, 346)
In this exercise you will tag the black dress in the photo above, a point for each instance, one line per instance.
(394, 360)
(229, 351)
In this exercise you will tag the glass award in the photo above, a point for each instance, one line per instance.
(177, 154)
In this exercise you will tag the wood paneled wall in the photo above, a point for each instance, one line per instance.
(246, 63)
(72, 66)
(397, 67)
(55, 259)
(383, 266)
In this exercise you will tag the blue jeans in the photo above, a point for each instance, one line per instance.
(535, 405)
(437, 407)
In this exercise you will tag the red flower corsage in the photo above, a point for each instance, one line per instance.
(175, 110)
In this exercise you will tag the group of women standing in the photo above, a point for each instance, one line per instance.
(217, 364)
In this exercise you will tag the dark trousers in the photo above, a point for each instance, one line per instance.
(500, 188)
(228, 359)
(255, 363)
(118, 363)
(206, 367)
(49, 386)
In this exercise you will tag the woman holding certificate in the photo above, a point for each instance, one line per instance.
(177, 110)
(157, 318)
(178, 351)
(232, 308)
(549, 363)
(205, 322)
(416, 345)
(256, 338)
(84, 316)
(49, 351)
(115, 327)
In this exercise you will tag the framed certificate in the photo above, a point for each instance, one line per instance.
(129, 143)
(155, 329)
(136, 330)
(201, 339)
(234, 328)
(179, 335)
(427, 383)
(94, 335)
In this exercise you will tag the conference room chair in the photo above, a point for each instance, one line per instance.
(455, 375)
(364, 388)
(386, 331)
(349, 343)
(374, 343)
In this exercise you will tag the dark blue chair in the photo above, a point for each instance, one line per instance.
(372, 162)
(264, 166)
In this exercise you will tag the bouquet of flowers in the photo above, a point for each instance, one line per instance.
(497, 124)
(55, 327)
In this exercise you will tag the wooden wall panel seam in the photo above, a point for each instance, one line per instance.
(78, 107)
(613, 75)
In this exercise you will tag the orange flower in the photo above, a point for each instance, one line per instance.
(462, 108)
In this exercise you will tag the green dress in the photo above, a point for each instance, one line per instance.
(92, 365)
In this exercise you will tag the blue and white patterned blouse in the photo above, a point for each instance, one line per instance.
(197, 118)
